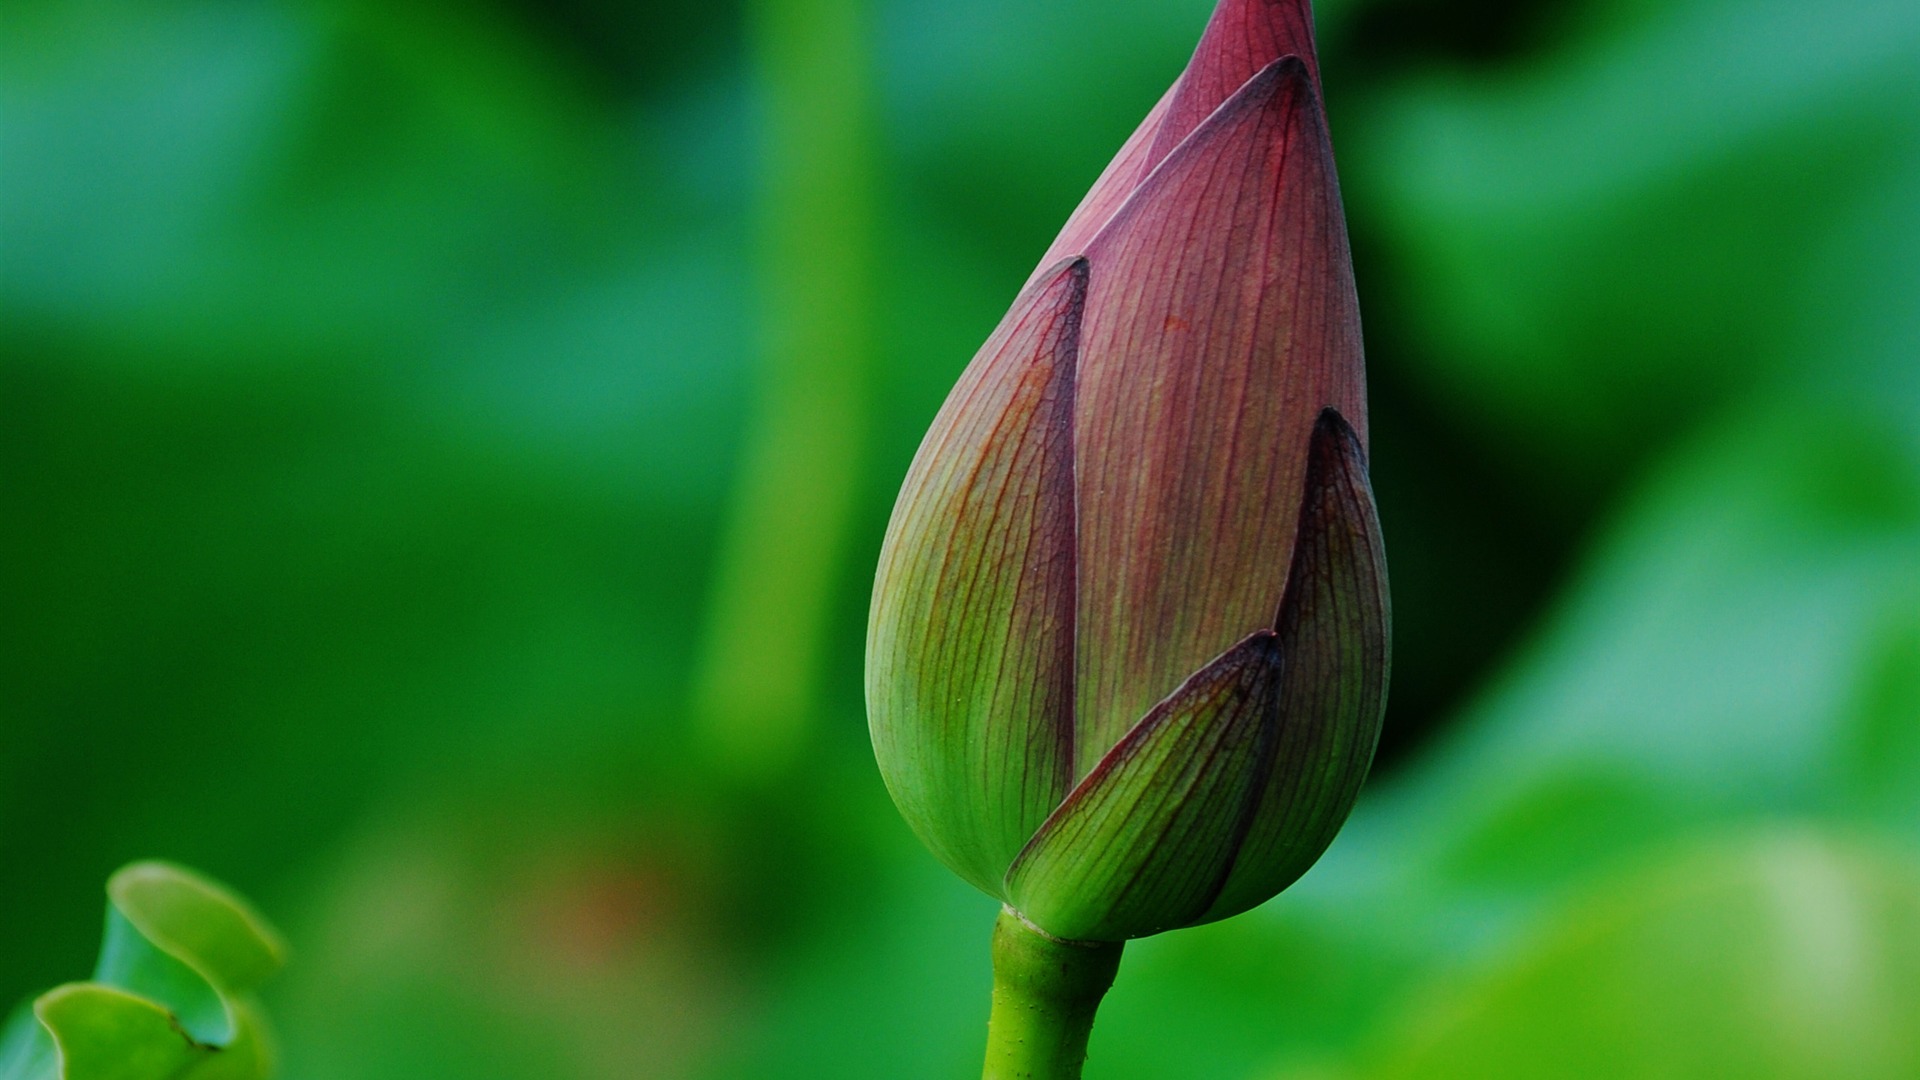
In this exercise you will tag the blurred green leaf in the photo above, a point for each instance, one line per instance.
(170, 998)
(1880, 745)
(1783, 956)
(100, 1032)
(1617, 237)
(365, 396)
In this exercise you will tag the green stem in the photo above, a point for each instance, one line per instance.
(1045, 992)
(784, 541)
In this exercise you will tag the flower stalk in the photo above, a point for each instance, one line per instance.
(1045, 992)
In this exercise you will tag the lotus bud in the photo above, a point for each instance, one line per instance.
(1128, 649)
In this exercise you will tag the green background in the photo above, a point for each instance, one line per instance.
(444, 447)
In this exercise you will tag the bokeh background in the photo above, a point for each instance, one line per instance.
(444, 446)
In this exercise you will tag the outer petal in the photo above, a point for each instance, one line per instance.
(970, 642)
(1146, 840)
(1220, 319)
(1334, 636)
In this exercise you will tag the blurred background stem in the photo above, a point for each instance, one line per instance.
(1045, 993)
(788, 522)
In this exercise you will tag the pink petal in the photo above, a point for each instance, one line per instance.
(1220, 320)
(1243, 37)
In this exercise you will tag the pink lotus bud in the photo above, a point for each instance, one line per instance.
(1128, 650)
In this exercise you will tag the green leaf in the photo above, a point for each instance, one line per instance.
(189, 917)
(103, 1033)
(1685, 199)
(1145, 842)
(1787, 955)
(1701, 669)
(1880, 748)
(168, 1000)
